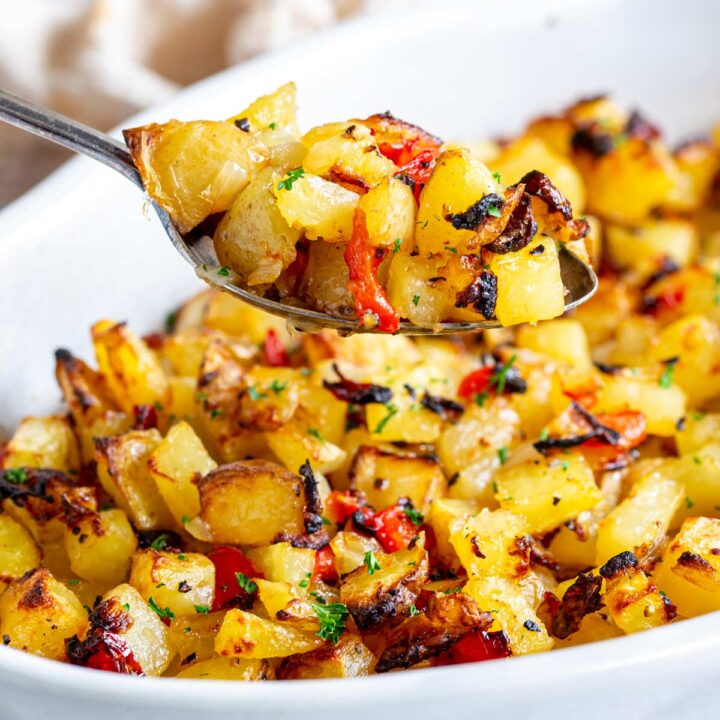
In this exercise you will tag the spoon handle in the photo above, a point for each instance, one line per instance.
(69, 133)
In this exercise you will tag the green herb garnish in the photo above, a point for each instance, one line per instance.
(332, 620)
(416, 300)
(17, 476)
(371, 562)
(416, 517)
(160, 542)
(503, 455)
(202, 609)
(392, 410)
(287, 182)
(246, 583)
(316, 434)
(160, 612)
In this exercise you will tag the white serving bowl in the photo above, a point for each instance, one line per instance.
(79, 247)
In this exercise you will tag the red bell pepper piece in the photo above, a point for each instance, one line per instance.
(274, 351)
(475, 647)
(393, 528)
(630, 424)
(418, 171)
(339, 506)
(229, 561)
(476, 382)
(363, 261)
(324, 565)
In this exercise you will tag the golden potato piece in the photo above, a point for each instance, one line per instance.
(18, 551)
(43, 442)
(349, 658)
(228, 668)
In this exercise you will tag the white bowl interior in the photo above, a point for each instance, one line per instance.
(79, 247)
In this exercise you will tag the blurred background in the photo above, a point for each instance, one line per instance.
(101, 60)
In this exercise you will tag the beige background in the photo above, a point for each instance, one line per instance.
(101, 60)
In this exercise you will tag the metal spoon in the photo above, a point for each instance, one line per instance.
(578, 278)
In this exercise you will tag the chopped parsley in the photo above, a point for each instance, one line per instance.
(415, 516)
(287, 182)
(316, 434)
(494, 487)
(503, 455)
(160, 612)
(224, 271)
(688, 503)
(126, 607)
(216, 413)
(246, 583)
(697, 460)
(254, 394)
(332, 620)
(305, 581)
(185, 519)
(416, 300)
(17, 476)
(413, 610)
(494, 211)
(160, 542)
(544, 434)
(392, 410)
(666, 379)
(325, 521)
(371, 562)
(499, 377)
(277, 387)
(480, 398)
(498, 177)
(273, 126)
(73, 581)
(396, 246)
(202, 609)
(187, 630)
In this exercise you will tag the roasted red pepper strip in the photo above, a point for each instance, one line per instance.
(478, 381)
(393, 528)
(324, 565)
(418, 171)
(476, 647)
(363, 261)
(228, 561)
(339, 506)
(274, 351)
(630, 424)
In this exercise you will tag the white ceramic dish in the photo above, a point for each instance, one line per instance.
(78, 248)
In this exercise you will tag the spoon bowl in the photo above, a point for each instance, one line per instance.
(579, 279)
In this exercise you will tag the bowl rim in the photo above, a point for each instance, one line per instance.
(689, 637)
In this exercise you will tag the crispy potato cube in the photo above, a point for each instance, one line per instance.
(243, 634)
(532, 153)
(542, 296)
(478, 434)
(349, 658)
(696, 431)
(18, 551)
(176, 465)
(700, 474)
(278, 107)
(390, 214)
(644, 247)
(37, 613)
(123, 472)
(143, 632)
(457, 182)
(281, 562)
(132, 370)
(181, 583)
(593, 628)
(253, 238)
(195, 634)
(442, 512)
(194, 169)
(635, 602)
(329, 413)
(299, 440)
(640, 521)
(350, 548)
(252, 502)
(511, 612)
(548, 491)
(565, 340)
(690, 570)
(324, 284)
(228, 668)
(492, 543)
(318, 207)
(388, 592)
(696, 341)
(385, 477)
(100, 544)
(43, 442)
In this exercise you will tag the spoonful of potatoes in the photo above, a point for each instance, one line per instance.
(370, 225)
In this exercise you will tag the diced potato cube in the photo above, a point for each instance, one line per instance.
(385, 477)
(43, 442)
(195, 634)
(457, 182)
(133, 372)
(144, 632)
(635, 602)
(593, 628)
(690, 569)
(390, 214)
(549, 491)
(123, 472)
(18, 551)
(565, 340)
(442, 512)
(349, 658)
(228, 668)
(492, 543)
(640, 521)
(322, 209)
(325, 281)
(243, 634)
(252, 502)
(350, 549)
(511, 612)
(176, 465)
(696, 431)
(100, 545)
(253, 239)
(281, 562)
(537, 273)
(181, 583)
(194, 169)
(700, 474)
(277, 107)
(37, 613)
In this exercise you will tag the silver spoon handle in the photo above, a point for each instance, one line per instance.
(68, 133)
